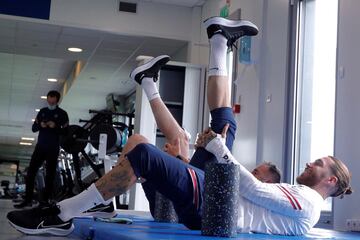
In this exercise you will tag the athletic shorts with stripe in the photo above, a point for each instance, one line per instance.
(181, 183)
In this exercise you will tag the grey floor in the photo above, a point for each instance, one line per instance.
(9, 233)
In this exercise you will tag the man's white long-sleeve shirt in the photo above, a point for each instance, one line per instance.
(271, 208)
(276, 208)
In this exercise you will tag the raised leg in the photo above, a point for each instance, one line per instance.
(146, 75)
(222, 34)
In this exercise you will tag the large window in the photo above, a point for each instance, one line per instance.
(314, 97)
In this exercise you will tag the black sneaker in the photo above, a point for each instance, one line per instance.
(100, 211)
(23, 205)
(230, 29)
(41, 220)
(149, 69)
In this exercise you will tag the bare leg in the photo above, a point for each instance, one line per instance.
(218, 94)
(169, 126)
(222, 33)
(117, 181)
(146, 75)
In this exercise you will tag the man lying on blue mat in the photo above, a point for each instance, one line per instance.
(265, 208)
(218, 95)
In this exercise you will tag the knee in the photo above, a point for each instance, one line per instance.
(133, 141)
(183, 137)
(136, 139)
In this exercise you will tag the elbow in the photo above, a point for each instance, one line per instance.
(302, 230)
(303, 227)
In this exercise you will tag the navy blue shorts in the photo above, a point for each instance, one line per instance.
(176, 180)
(181, 183)
(220, 117)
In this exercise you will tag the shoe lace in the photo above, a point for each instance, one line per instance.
(233, 45)
(156, 77)
(232, 38)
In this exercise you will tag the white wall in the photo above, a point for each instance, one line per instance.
(273, 63)
(347, 130)
(151, 19)
(248, 87)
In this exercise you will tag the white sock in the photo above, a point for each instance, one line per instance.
(218, 51)
(150, 88)
(85, 200)
(222, 153)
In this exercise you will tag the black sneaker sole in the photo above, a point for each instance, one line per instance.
(52, 231)
(227, 22)
(250, 29)
(155, 63)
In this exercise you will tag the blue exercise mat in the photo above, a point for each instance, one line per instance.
(145, 228)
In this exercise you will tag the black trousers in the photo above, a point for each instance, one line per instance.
(41, 154)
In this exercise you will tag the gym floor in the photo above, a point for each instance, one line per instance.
(9, 233)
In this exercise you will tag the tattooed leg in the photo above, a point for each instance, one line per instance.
(117, 181)
(122, 176)
(114, 183)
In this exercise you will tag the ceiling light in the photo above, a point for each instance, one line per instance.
(13, 166)
(74, 49)
(25, 143)
(28, 138)
(52, 79)
(37, 110)
(141, 58)
(43, 97)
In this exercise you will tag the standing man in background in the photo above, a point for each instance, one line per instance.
(51, 122)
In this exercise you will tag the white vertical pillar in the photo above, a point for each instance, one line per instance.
(144, 125)
(102, 155)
